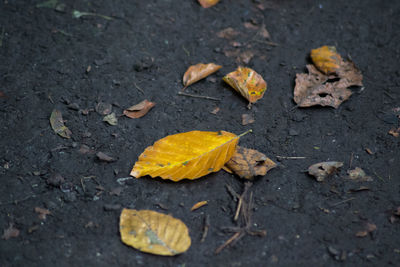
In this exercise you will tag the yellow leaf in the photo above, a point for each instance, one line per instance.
(197, 72)
(247, 82)
(199, 205)
(153, 232)
(208, 3)
(187, 155)
(326, 59)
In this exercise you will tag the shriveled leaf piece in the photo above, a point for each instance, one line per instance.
(197, 72)
(208, 3)
(111, 119)
(326, 59)
(57, 123)
(10, 232)
(248, 163)
(153, 232)
(186, 155)
(228, 33)
(316, 88)
(139, 110)
(359, 175)
(323, 169)
(199, 205)
(247, 82)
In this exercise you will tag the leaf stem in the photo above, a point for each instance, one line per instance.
(249, 131)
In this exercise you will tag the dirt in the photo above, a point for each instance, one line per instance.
(51, 60)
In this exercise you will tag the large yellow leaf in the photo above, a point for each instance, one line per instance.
(186, 155)
(154, 232)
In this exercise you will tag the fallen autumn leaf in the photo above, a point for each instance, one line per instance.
(139, 110)
(208, 3)
(57, 123)
(187, 155)
(197, 72)
(323, 169)
(154, 232)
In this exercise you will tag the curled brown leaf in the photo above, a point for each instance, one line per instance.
(197, 72)
(322, 170)
(139, 110)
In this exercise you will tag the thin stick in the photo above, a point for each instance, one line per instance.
(351, 160)
(284, 157)
(140, 89)
(344, 201)
(228, 242)
(199, 96)
(205, 229)
(239, 206)
(232, 192)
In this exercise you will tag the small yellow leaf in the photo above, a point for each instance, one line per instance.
(197, 72)
(208, 3)
(199, 205)
(247, 82)
(153, 232)
(57, 123)
(187, 155)
(326, 59)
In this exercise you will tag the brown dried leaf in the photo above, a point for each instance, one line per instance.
(199, 205)
(248, 83)
(359, 175)
(104, 157)
(42, 212)
(323, 169)
(10, 232)
(197, 72)
(245, 57)
(250, 26)
(369, 228)
(395, 132)
(228, 33)
(57, 123)
(139, 110)
(247, 119)
(315, 87)
(263, 32)
(248, 163)
(208, 3)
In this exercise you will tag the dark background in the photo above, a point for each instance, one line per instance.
(44, 55)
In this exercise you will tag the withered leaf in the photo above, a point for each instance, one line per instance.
(208, 3)
(104, 157)
(316, 88)
(57, 123)
(369, 228)
(189, 155)
(197, 72)
(323, 169)
(245, 57)
(228, 33)
(103, 108)
(153, 232)
(111, 119)
(248, 83)
(10, 232)
(215, 110)
(248, 163)
(139, 110)
(395, 132)
(326, 59)
(42, 212)
(247, 119)
(359, 175)
(199, 205)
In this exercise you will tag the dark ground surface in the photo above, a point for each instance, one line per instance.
(44, 55)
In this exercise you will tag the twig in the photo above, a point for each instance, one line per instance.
(237, 235)
(343, 201)
(140, 89)
(351, 160)
(186, 51)
(284, 157)
(232, 192)
(239, 206)
(383, 180)
(199, 96)
(205, 229)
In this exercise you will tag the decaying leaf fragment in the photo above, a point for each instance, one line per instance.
(328, 86)
(248, 163)
(369, 228)
(395, 132)
(326, 59)
(57, 123)
(248, 83)
(208, 3)
(359, 175)
(111, 119)
(197, 72)
(323, 169)
(199, 205)
(187, 155)
(139, 110)
(153, 232)
(10, 232)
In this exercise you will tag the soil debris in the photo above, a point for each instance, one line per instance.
(395, 132)
(228, 33)
(369, 228)
(10, 232)
(324, 169)
(247, 119)
(104, 157)
(359, 175)
(103, 108)
(42, 213)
